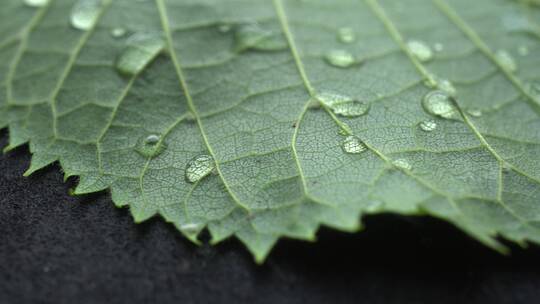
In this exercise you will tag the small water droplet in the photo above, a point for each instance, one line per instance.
(224, 28)
(506, 60)
(474, 112)
(118, 32)
(402, 164)
(420, 50)
(150, 146)
(343, 105)
(36, 3)
(345, 129)
(346, 35)
(428, 125)
(447, 86)
(439, 103)
(374, 206)
(141, 49)
(199, 167)
(533, 88)
(340, 58)
(523, 50)
(253, 36)
(353, 145)
(438, 47)
(190, 227)
(85, 13)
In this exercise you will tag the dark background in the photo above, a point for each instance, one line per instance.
(60, 249)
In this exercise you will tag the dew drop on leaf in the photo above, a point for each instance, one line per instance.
(253, 36)
(523, 50)
(428, 125)
(36, 3)
(85, 13)
(439, 103)
(199, 167)
(118, 32)
(438, 47)
(402, 164)
(141, 49)
(346, 35)
(420, 50)
(374, 206)
(343, 105)
(474, 112)
(190, 227)
(340, 58)
(353, 145)
(224, 28)
(150, 145)
(506, 60)
(447, 86)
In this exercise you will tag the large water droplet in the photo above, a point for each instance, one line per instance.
(506, 60)
(141, 49)
(420, 50)
(36, 3)
(151, 145)
(343, 105)
(428, 125)
(439, 103)
(340, 58)
(353, 145)
(118, 32)
(402, 164)
(199, 167)
(253, 36)
(85, 13)
(346, 35)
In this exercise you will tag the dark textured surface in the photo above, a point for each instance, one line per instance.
(60, 249)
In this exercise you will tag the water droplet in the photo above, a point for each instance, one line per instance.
(420, 50)
(340, 58)
(353, 145)
(447, 86)
(151, 146)
(474, 112)
(439, 103)
(199, 167)
(402, 164)
(224, 28)
(523, 50)
(345, 129)
(346, 35)
(36, 3)
(374, 206)
(428, 125)
(343, 105)
(253, 36)
(141, 49)
(118, 32)
(85, 14)
(438, 47)
(506, 60)
(190, 227)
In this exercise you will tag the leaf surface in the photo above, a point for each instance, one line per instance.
(240, 82)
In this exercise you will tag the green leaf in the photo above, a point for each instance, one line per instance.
(266, 119)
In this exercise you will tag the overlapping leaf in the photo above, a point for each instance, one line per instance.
(240, 81)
